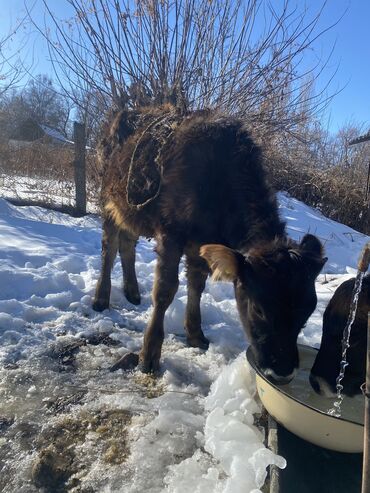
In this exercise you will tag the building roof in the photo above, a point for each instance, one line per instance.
(361, 138)
(55, 134)
(29, 130)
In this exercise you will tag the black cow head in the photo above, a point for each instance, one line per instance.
(326, 367)
(275, 294)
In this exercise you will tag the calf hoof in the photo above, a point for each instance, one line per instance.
(128, 361)
(199, 341)
(132, 296)
(149, 365)
(100, 305)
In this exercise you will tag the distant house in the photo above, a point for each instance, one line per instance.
(361, 138)
(29, 132)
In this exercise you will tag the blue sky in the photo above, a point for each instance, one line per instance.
(351, 37)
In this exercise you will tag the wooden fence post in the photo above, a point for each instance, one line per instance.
(80, 166)
(366, 462)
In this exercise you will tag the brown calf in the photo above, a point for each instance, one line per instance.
(196, 180)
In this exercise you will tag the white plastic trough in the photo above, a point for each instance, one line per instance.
(308, 420)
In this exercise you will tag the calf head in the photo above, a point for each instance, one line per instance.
(275, 294)
(326, 367)
(324, 373)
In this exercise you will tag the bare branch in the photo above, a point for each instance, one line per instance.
(193, 54)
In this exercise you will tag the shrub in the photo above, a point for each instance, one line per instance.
(337, 192)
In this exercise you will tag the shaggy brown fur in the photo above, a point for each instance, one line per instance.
(187, 181)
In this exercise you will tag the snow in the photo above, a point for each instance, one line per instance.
(59, 192)
(52, 191)
(342, 243)
(192, 429)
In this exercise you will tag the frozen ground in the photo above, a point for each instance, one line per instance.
(68, 424)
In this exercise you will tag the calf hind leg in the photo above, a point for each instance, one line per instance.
(165, 286)
(108, 255)
(127, 244)
(197, 272)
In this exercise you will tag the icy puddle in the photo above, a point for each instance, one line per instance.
(75, 429)
(65, 426)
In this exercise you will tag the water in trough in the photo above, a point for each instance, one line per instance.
(352, 408)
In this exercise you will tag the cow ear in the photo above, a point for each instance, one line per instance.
(223, 261)
(312, 250)
(311, 246)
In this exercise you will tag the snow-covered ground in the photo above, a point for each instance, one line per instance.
(38, 190)
(65, 419)
(61, 193)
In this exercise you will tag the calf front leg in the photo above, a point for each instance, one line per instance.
(165, 286)
(197, 272)
(108, 255)
(127, 244)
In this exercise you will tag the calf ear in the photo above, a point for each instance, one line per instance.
(313, 251)
(311, 245)
(223, 261)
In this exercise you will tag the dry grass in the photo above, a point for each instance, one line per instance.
(38, 160)
(338, 192)
(44, 174)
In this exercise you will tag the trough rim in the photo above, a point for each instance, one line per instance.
(251, 361)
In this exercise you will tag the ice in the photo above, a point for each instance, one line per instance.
(189, 430)
(104, 325)
(230, 435)
(197, 474)
(237, 460)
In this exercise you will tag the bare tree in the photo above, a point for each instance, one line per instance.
(11, 68)
(11, 72)
(40, 100)
(44, 103)
(90, 105)
(191, 53)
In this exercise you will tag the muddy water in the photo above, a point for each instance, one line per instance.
(58, 415)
